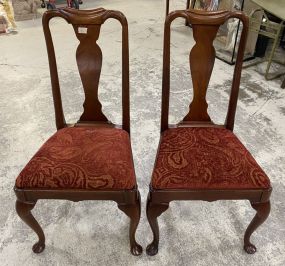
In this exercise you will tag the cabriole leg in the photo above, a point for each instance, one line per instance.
(153, 210)
(262, 212)
(133, 211)
(24, 211)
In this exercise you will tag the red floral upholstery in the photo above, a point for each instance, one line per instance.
(82, 158)
(205, 158)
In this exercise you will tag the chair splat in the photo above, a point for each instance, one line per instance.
(201, 58)
(89, 62)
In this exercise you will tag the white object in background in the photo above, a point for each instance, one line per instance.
(232, 31)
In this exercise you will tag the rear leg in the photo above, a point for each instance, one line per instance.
(153, 210)
(133, 211)
(262, 212)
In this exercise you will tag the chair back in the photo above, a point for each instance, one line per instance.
(86, 25)
(205, 26)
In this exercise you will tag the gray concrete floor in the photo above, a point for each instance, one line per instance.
(96, 233)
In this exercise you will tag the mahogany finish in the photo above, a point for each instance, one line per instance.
(202, 56)
(89, 61)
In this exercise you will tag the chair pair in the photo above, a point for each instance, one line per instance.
(92, 159)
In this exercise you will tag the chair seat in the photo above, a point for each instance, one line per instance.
(205, 158)
(82, 158)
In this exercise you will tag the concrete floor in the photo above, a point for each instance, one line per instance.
(96, 233)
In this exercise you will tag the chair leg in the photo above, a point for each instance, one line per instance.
(271, 54)
(262, 212)
(24, 211)
(153, 210)
(167, 8)
(133, 211)
(187, 7)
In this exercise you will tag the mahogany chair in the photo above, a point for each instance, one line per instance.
(91, 159)
(197, 159)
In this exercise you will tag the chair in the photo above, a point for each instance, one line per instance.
(271, 29)
(197, 159)
(92, 159)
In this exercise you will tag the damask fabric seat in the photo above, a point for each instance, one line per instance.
(205, 158)
(82, 158)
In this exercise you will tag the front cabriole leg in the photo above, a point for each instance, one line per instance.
(24, 211)
(133, 211)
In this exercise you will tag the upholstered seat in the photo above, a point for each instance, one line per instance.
(205, 158)
(81, 158)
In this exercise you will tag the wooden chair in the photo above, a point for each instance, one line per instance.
(197, 159)
(92, 159)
